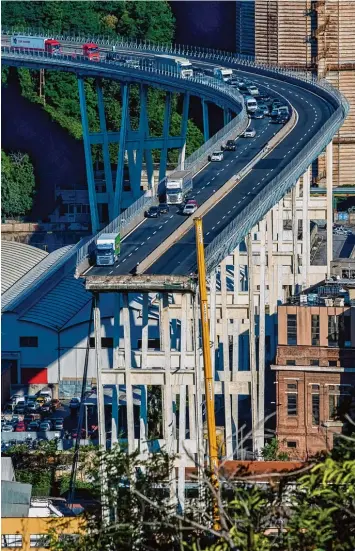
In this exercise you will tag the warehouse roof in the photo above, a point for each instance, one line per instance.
(17, 259)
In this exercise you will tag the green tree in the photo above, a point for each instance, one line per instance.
(17, 184)
(270, 452)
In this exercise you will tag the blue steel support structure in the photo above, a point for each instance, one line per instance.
(95, 225)
(166, 127)
(105, 150)
(144, 133)
(185, 119)
(121, 151)
(227, 116)
(206, 126)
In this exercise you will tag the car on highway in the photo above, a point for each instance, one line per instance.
(230, 145)
(45, 426)
(31, 407)
(263, 108)
(20, 407)
(74, 403)
(152, 212)
(253, 90)
(249, 133)
(46, 409)
(258, 114)
(217, 156)
(163, 208)
(278, 120)
(190, 207)
(58, 424)
(115, 56)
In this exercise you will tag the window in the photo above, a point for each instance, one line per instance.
(153, 344)
(290, 362)
(344, 331)
(333, 331)
(11, 540)
(291, 329)
(315, 330)
(106, 342)
(29, 342)
(291, 444)
(339, 399)
(315, 405)
(333, 363)
(291, 399)
(314, 362)
(39, 540)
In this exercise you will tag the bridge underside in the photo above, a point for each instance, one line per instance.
(140, 283)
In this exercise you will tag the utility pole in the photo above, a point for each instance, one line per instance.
(209, 383)
(41, 86)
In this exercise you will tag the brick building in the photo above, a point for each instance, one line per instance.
(315, 367)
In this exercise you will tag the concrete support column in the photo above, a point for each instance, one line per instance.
(234, 397)
(166, 126)
(236, 275)
(329, 154)
(185, 120)
(144, 126)
(105, 150)
(182, 453)
(226, 371)
(128, 366)
(261, 381)
(115, 414)
(226, 116)
(206, 125)
(252, 348)
(121, 150)
(143, 422)
(213, 320)
(280, 221)
(305, 229)
(116, 329)
(95, 224)
(294, 220)
(145, 325)
(200, 442)
(183, 332)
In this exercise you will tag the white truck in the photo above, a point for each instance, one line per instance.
(108, 246)
(36, 43)
(177, 186)
(251, 104)
(180, 65)
(222, 73)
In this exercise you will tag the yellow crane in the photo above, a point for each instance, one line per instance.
(209, 384)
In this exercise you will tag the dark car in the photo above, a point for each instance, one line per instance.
(115, 56)
(58, 424)
(230, 145)
(163, 208)
(55, 404)
(258, 114)
(152, 212)
(45, 409)
(33, 426)
(20, 408)
(31, 407)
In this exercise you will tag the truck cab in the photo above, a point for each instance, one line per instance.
(223, 73)
(91, 51)
(53, 46)
(108, 248)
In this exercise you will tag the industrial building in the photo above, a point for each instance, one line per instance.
(312, 35)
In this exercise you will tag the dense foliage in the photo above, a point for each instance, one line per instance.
(149, 20)
(17, 185)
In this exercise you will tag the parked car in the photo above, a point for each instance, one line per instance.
(258, 114)
(46, 395)
(33, 426)
(45, 426)
(249, 133)
(74, 403)
(230, 145)
(58, 424)
(31, 407)
(55, 404)
(20, 427)
(152, 212)
(28, 419)
(190, 207)
(45, 409)
(216, 156)
(14, 420)
(7, 427)
(20, 407)
(163, 208)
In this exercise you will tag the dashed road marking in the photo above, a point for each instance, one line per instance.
(130, 254)
(136, 249)
(154, 232)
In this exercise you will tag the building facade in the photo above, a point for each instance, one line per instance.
(315, 368)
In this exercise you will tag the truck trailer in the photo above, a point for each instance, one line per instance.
(177, 187)
(222, 73)
(108, 247)
(180, 65)
(36, 43)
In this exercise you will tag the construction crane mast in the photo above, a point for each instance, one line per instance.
(209, 383)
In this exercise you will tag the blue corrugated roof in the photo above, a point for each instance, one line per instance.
(60, 304)
(17, 259)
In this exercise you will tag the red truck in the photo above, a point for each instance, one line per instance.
(90, 50)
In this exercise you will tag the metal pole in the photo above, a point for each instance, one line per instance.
(209, 383)
(206, 126)
(95, 226)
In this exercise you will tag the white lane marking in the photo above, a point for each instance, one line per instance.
(207, 233)
(235, 206)
(213, 178)
(172, 216)
(136, 249)
(154, 232)
(110, 272)
(148, 238)
(124, 260)
(166, 221)
(223, 217)
(218, 222)
(213, 227)
(142, 243)
(130, 254)
(229, 212)
(160, 227)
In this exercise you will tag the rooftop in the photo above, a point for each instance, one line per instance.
(17, 259)
(335, 291)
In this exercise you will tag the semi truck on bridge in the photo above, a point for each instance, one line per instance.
(177, 187)
(181, 65)
(108, 248)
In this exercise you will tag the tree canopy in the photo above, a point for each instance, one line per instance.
(17, 184)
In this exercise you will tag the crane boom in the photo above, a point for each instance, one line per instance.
(209, 384)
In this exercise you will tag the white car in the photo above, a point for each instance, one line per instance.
(217, 156)
(189, 208)
(249, 133)
(253, 90)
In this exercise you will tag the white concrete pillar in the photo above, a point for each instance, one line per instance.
(294, 220)
(329, 154)
(236, 275)
(213, 321)
(115, 414)
(145, 329)
(183, 331)
(261, 372)
(280, 222)
(182, 453)
(305, 229)
(128, 366)
(270, 261)
(116, 329)
(235, 366)
(252, 348)
(226, 371)
(199, 386)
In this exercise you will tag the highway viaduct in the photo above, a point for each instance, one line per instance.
(252, 260)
